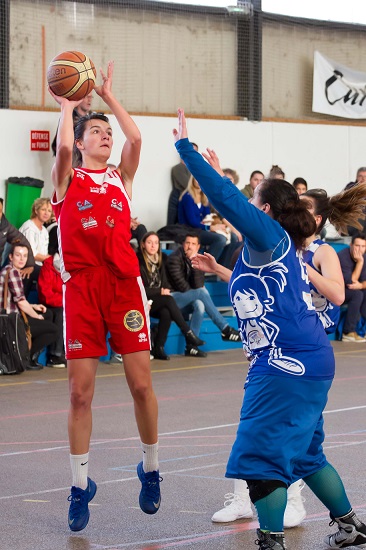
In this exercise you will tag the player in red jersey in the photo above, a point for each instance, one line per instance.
(102, 287)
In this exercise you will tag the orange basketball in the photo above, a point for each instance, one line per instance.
(71, 75)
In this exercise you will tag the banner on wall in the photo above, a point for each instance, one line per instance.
(338, 90)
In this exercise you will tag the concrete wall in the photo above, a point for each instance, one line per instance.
(326, 156)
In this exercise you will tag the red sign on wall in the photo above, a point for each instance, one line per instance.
(40, 140)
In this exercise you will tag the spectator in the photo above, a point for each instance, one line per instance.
(360, 178)
(50, 294)
(163, 306)
(192, 296)
(52, 228)
(44, 332)
(35, 231)
(353, 266)
(179, 177)
(255, 178)
(276, 172)
(232, 175)
(9, 233)
(194, 212)
(138, 230)
(300, 185)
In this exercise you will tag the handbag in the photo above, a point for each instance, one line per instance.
(14, 342)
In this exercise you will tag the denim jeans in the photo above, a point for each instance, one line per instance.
(197, 301)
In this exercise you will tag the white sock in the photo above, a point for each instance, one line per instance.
(150, 461)
(241, 488)
(79, 469)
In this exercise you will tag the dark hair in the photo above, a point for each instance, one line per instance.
(298, 181)
(254, 173)
(144, 253)
(192, 234)
(194, 144)
(287, 208)
(1, 201)
(15, 243)
(358, 236)
(343, 209)
(79, 130)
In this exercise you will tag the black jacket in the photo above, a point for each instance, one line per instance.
(9, 233)
(181, 275)
(145, 276)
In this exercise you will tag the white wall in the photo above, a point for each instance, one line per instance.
(326, 156)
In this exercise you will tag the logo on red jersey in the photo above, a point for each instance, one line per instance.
(133, 320)
(74, 345)
(84, 205)
(110, 221)
(89, 223)
(102, 189)
(80, 175)
(117, 205)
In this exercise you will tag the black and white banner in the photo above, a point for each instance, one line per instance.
(338, 90)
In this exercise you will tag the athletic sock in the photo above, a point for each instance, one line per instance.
(79, 469)
(271, 510)
(150, 461)
(328, 487)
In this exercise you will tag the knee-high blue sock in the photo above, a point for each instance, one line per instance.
(271, 509)
(328, 487)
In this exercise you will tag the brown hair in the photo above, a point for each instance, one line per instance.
(287, 208)
(343, 209)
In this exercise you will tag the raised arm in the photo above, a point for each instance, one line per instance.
(130, 155)
(62, 169)
(263, 232)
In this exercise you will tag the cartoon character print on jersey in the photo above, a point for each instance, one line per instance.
(252, 299)
(322, 307)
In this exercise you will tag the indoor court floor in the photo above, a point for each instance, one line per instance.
(199, 403)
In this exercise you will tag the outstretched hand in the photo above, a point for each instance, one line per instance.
(213, 160)
(204, 262)
(106, 86)
(181, 133)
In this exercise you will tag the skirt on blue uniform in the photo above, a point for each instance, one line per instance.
(280, 433)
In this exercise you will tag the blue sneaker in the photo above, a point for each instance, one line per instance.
(150, 498)
(79, 510)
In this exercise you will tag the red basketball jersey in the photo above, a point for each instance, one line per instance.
(94, 224)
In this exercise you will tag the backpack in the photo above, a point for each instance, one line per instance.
(15, 339)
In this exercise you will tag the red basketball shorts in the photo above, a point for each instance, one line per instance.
(97, 302)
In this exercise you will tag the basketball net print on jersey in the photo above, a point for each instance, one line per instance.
(252, 299)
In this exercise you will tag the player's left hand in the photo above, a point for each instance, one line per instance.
(213, 160)
(106, 87)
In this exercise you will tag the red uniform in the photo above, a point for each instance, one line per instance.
(102, 291)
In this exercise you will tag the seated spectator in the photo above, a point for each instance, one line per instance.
(52, 228)
(194, 211)
(138, 230)
(50, 294)
(232, 175)
(360, 178)
(300, 185)
(255, 178)
(179, 176)
(353, 264)
(44, 332)
(36, 233)
(191, 295)
(276, 172)
(9, 233)
(163, 305)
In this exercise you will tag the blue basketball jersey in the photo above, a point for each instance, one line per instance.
(328, 312)
(269, 288)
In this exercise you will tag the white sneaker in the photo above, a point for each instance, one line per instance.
(235, 508)
(295, 511)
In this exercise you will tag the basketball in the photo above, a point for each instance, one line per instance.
(71, 75)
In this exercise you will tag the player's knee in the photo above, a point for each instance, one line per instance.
(261, 488)
(80, 399)
(141, 391)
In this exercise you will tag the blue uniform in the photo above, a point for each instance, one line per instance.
(291, 359)
(328, 312)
